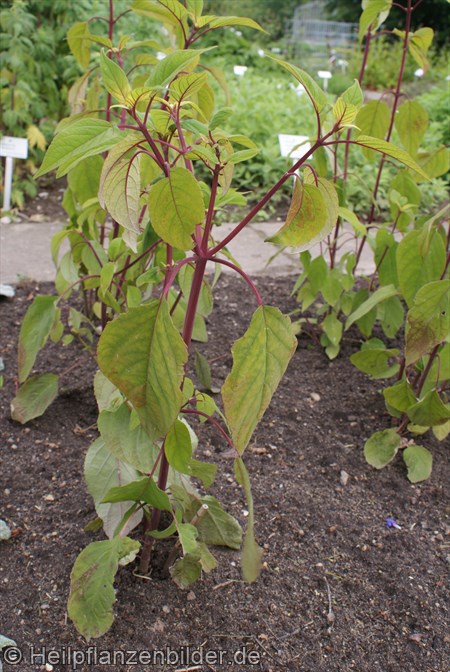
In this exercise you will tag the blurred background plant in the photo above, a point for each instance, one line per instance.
(37, 71)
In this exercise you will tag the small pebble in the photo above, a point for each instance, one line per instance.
(49, 498)
(344, 477)
(48, 667)
(191, 596)
(7, 491)
(314, 396)
(166, 609)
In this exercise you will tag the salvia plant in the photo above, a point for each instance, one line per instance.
(140, 236)
(407, 296)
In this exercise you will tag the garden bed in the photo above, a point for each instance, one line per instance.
(324, 531)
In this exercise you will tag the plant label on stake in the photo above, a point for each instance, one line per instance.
(11, 148)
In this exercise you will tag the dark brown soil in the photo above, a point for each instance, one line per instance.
(326, 543)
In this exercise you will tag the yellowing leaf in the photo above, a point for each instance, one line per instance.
(143, 354)
(307, 218)
(176, 206)
(36, 138)
(411, 122)
(92, 593)
(260, 359)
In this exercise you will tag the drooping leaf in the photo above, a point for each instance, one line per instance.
(143, 354)
(34, 397)
(34, 332)
(251, 552)
(411, 123)
(114, 79)
(381, 448)
(107, 395)
(260, 359)
(419, 461)
(216, 526)
(129, 444)
(391, 315)
(428, 321)
(79, 43)
(176, 206)
(103, 471)
(430, 410)
(142, 490)
(377, 297)
(316, 94)
(388, 149)
(307, 220)
(85, 137)
(92, 593)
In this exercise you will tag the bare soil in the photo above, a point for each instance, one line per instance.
(340, 591)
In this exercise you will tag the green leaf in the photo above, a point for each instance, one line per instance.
(419, 43)
(373, 119)
(419, 461)
(176, 207)
(381, 448)
(128, 444)
(178, 449)
(171, 65)
(92, 593)
(375, 12)
(216, 526)
(379, 295)
(120, 184)
(391, 315)
(417, 267)
(350, 217)
(186, 86)
(428, 321)
(143, 490)
(203, 370)
(434, 163)
(79, 43)
(344, 113)
(307, 220)
(75, 143)
(333, 328)
(195, 8)
(34, 397)
(251, 552)
(411, 123)
(143, 354)
(222, 21)
(34, 332)
(186, 571)
(107, 395)
(399, 396)
(388, 149)
(170, 12)
(260, 359)
(376, 362)
(317, 96)
(103, 471)
(429, 411)
(114, 79)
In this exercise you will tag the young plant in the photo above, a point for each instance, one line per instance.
(410, 254)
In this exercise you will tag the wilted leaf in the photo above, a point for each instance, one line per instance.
(34, 397)
(381, 448)
(419, 461)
